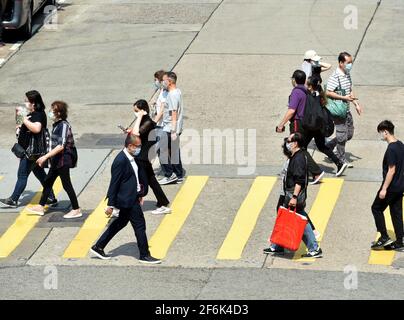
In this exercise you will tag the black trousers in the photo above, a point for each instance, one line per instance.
(64, 174)
(395, 202)
(136, 218)
(312, 166)
(153, 183)
(319, 139)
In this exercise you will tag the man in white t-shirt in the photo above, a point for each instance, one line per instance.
(173, 117)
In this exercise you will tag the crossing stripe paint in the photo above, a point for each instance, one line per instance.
(88, 233)
(181, 207)
(321, 210)
(246, 219)
(24, 223)
(384, 257)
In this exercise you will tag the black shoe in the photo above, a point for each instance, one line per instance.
(381, 243)
(2, 44)
(99, 253)
(9, 203)
(395, 246)
(313, 254)
(52, 202)
(149, 260)
(274, 250)
(341, 168)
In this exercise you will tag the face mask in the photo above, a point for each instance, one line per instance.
(289, 146)
(286, 152)
(348, 67)
(157, 84)
(135, 152)
(165, 85)
(51, 115)
(382, 136)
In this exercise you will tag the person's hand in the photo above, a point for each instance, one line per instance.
(141, 201)
(40, 162)
(293, 203)
(108, 211)
(26, 118)
(358, 108)
(382, 194)
(349, 98)
(174, 136)
(280, 129)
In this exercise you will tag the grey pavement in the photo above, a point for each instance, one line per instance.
(234, 59)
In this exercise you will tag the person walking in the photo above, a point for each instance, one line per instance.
(391, 191)
(339, 87)
(62, 157)
(34, 121)
(294, 115)
(125, 195)
(295, 193)
(172, 127)
(145, 128)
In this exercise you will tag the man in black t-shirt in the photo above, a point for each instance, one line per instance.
(391, 192)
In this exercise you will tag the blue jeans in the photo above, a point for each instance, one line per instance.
(24, 169)
(309, 238)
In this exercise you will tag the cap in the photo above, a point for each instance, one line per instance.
(311, 55)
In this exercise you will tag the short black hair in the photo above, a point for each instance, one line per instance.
(297, 137)
(131, 139)
(386, 125)
(343, 55)
(35, 98)
(142, 105)
(299, 76)
(172, 76)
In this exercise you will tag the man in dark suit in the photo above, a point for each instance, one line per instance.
(125, 192)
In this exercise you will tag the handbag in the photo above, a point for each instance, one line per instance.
(289, 228)
(338, 108)
(38, 144)
(18, 150)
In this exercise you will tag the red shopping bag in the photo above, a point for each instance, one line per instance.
(288, 229)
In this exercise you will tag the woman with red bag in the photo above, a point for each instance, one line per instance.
(295, 187)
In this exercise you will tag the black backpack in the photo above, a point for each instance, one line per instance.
(313, 117)
(329, 126)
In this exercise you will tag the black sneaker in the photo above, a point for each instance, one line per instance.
(99, 253)
(9, 203)
(52, 202)
(274, 250)
(341, 168)
(313, 254)
(395, 246)
(381, 243)
(149, 260)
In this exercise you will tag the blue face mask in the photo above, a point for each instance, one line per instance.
(348, 67)
(157, 85)
(51, 115)
(136, 152)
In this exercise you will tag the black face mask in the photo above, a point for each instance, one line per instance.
(286, 152)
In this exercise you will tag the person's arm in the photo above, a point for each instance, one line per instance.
(136, 127)
(293, 200)
(358, 107)
(335, 96)
(34, 127)
(288, 115)
(389, 178)
(114, 185)
(159, 115)
(325, 66)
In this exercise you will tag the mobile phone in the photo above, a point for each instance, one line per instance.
(276, 129)
(122, 128)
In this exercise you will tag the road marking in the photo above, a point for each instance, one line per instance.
(321, 210)
(16, 46)
(384, 257)
(246, 219)
(1, 178)
(172, 223)
(88, 233)
(24, 223)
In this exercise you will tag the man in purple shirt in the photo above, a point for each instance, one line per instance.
(297, 102)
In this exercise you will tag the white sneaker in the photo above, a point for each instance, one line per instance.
(349, 164)
(169, 180)
(317, 180)
(73, 214)
(36, 210)
(162, 210)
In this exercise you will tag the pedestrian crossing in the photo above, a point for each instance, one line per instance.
(233, 243)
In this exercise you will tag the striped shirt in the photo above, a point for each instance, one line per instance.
(337, 78)
(62, 135)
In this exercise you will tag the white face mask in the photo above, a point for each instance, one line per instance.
(157, 84)
(289, 146)
(51, 116)
(382, 136)
(165, 85)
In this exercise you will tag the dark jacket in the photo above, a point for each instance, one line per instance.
(297, 174)
(147, 136)
(122, 191)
